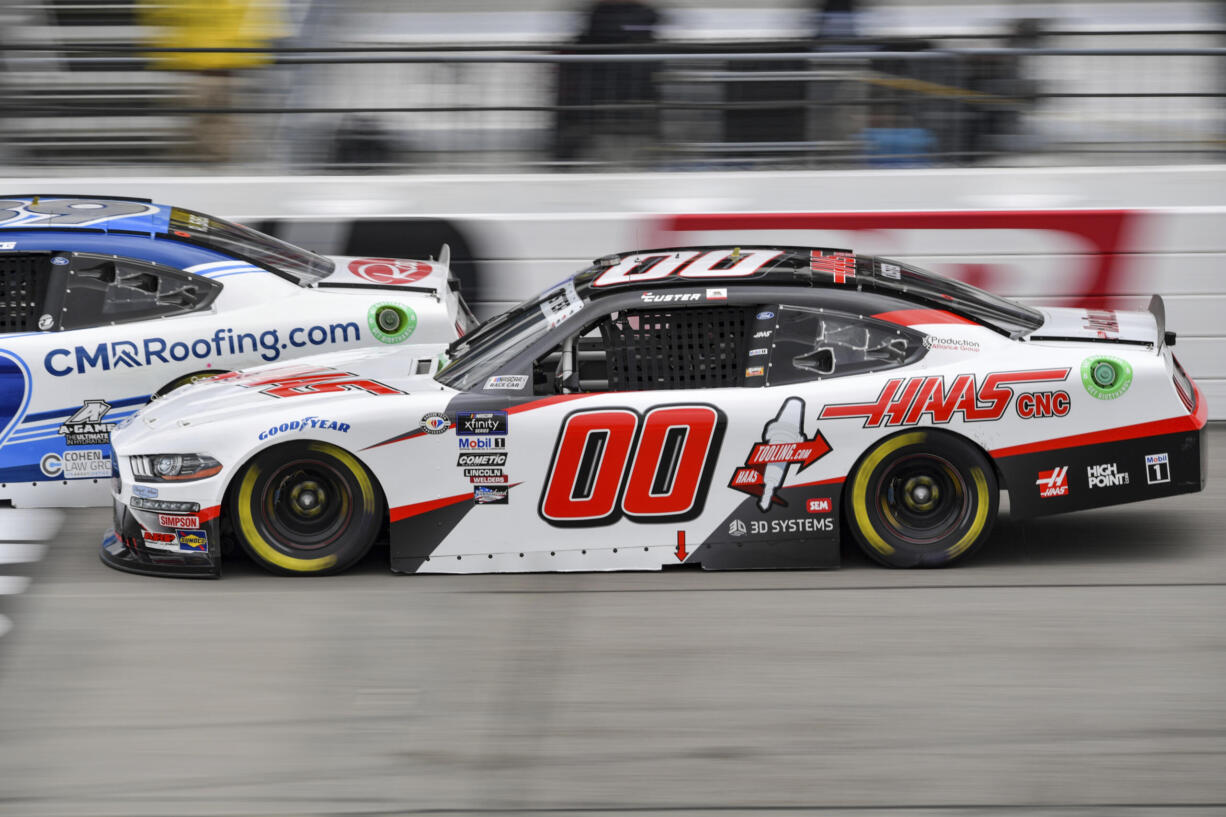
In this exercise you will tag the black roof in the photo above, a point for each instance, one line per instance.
(802, 267)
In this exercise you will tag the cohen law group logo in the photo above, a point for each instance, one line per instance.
(1053, 483)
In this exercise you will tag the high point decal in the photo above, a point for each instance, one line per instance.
(269, 345)
(906, 401)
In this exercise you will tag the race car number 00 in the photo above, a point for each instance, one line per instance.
(665, 469)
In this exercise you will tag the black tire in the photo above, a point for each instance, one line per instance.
(922, 498)
(306, 508)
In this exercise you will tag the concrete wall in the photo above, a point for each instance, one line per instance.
(1101, 236)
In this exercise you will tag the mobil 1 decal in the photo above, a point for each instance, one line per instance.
(649, 466)
(773, 510)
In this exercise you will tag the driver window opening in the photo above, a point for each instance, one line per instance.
(811, 344)
(640, 350)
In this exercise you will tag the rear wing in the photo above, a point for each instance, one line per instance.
(1157, 308)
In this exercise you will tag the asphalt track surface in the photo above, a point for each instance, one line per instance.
(1076, 667)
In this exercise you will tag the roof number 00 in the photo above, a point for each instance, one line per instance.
(656, 266)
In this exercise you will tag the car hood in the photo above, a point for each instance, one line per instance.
(341, 379)
(1098, 325)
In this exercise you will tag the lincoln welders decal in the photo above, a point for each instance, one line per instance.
(783, 444)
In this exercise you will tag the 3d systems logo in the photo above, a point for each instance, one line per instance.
(1053, 483)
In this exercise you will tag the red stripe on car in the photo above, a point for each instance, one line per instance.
(915, 317)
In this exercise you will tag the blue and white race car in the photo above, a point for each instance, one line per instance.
(108, 302)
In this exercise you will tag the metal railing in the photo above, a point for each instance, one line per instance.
(706, 106)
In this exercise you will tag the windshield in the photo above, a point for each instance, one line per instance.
(292, 262)
(483, 353)
(972, 301)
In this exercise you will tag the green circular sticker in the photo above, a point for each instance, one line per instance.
(391, 322)
(1106, 378)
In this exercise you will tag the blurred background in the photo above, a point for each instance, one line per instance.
(441, 86)
(1059, 152)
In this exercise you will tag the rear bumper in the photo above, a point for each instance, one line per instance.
(1096, 474)
(125, 548)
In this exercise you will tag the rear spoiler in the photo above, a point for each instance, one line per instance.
(1157, 308)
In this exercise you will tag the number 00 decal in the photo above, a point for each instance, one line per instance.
(653, 468)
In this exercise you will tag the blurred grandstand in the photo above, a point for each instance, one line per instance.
(479, 86)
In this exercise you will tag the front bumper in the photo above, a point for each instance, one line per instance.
(126, 547)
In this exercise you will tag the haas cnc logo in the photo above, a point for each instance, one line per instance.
(1053, 483)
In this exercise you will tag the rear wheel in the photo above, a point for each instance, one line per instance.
(306, 508)
(922, 499)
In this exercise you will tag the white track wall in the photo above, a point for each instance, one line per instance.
(1102, 236)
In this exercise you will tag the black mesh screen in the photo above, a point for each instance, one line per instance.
(23, 289)
(695, 348)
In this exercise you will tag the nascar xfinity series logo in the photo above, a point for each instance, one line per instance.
(269, 345)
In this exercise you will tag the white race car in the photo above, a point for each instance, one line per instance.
(729, 408)
(107, 302)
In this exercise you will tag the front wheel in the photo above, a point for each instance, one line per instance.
(306, 508)
(922, 499)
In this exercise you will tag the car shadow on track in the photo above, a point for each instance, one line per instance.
(1108, 536)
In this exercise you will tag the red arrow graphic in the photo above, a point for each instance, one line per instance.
(806, 453)
(681, 554)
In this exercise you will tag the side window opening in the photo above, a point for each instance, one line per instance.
(651, 349)
(104, 290)
(24, 279)
(811, 344)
